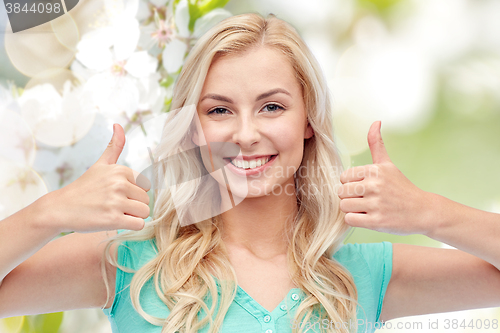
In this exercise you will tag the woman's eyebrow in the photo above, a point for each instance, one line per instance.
(261, 96)
(272, 92)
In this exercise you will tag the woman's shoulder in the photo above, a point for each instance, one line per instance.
(362, 259)
(365, 251)
(370, 265)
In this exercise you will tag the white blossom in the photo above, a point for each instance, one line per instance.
(54, 119)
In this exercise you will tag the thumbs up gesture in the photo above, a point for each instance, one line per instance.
(379, 197)
(106, 197)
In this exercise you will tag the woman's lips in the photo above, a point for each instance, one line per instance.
(248, 172)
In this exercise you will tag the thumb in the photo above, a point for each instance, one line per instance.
(376, 144)
(115, 146)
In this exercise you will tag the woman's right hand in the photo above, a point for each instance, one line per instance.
(106, 197)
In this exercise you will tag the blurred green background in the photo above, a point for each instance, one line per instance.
(430, 70)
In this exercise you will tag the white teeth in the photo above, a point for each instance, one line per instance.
(250, 164)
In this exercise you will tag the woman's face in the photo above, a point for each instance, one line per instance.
(252, 103)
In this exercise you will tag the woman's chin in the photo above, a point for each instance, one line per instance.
(239, 194)
(257, 190)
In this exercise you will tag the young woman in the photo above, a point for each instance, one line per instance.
(229, 247)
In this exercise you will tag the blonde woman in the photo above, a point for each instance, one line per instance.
(229, 247)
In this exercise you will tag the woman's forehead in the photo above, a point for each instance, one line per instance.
(258, 66)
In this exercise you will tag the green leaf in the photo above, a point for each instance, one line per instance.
(199, 8)
(207, 6)
(167, 104)
(381, 6)
(12, 324)
(19, 90)
(27, 325)
(167, 81)
(194, 14)
(44, 323)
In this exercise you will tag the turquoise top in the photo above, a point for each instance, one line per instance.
(370, 264)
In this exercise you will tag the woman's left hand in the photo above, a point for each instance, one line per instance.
(379, 197)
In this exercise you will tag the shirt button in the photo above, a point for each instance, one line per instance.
(283, 307)
(295, 297)
(267, 319)
(269, 331)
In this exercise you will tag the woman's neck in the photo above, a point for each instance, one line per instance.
(261, 225)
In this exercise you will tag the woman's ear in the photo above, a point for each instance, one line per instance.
(195, 139)
(309, 131)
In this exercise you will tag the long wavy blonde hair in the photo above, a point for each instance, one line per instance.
(189, 256)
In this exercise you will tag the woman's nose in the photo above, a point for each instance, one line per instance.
(246, 132)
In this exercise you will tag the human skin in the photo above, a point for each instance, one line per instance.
(255, 230)
(424, 280)
(107, 197)
(41, 275)
(259, 220)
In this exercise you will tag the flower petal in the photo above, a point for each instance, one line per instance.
(126, 37)
(141, 64)
(159, 3)
(93, 49)
(131, 8)
(142, 11)
(149, 90)
(182, 18)
(39, 103)
(204, 23)
(173, 55)
(111, 94)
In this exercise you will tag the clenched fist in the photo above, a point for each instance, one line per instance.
(106, 197)
(379, 197)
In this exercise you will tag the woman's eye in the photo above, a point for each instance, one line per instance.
(273, 107)
(218, 111)
(222, 111)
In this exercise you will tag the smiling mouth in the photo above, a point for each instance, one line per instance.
(252, 164)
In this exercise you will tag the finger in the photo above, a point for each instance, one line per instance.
(353, 205)
(142, 181)
(377, 147)
(115, 146)
(354, 174)
(135, 177)
(352, 190)
(138, 194)
(136, 209)
(129, 222)
(357, 219)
